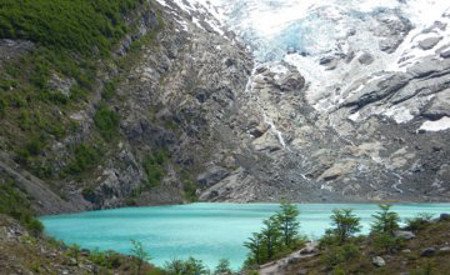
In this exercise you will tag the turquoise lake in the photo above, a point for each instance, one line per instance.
(207, 231)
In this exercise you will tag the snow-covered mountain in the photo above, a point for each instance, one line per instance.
(348, 99)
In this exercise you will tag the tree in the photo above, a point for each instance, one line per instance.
(190, 266)
(289, 225)
(223, 268)
(255, 245)
(271, 235)
(346, 224)
(386, 221)
(140, 255)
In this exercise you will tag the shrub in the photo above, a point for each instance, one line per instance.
(108, 259)
(2, 106)
(139, 254)
(419, 222)
(223, 268)
(278, 237)
(86, 157)
(346, 224)
(335, 255)
(154, 168)
(107, 122)
(190, 266)
(16, 205)
(386, 221)
(386, 242)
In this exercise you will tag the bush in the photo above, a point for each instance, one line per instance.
(278, 237)
(107, 122)
(385, 242)
(386, 221)
(346, 224)
(16, 205)
(108, 259)
(190, 266)
(86, 157)
(154, 168)
(419, 222)
(336, 255)
(223, 268)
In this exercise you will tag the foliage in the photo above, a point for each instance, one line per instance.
(140, 255)
(289, 225)
(107, 122)
(223, 268)
(190, 266)
(336, 255)
(386, 242)
(278, 236)
(346, 224)
(154, 167)
(386, 221)
(108, 259)
(419, 222)
(16, 205)
(86, 157)
(83, 26)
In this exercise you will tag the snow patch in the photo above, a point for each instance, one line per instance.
(435, 126)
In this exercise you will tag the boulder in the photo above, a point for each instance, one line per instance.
(429, 43)
(428, 252)
(444, 250)
(405, 235)
(378, 261)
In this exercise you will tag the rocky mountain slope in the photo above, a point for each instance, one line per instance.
(348, 101)
(174, 101)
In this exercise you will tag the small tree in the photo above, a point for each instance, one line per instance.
(289, 225)
(190, 266)
(255, 245)
(346, 224)
(271, 236)
(223, 268)
(386, 221)
(140, 255)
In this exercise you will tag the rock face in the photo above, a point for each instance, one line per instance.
(363, 117)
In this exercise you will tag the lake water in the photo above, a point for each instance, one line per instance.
(206, 231)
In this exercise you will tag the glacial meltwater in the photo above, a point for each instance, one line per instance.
(206, 231)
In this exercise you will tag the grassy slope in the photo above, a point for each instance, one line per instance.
(435, 235)
(74, 41)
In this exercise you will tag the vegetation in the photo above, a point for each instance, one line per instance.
(223, 268)
(15, 204)
(278, 237)
(73, 41)
(107, 122)
(190, 266)
(83, 26)
(386, 221)
(346, 224)
(384, 227)
(140, 255)
(154, 166)
(419, 222)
